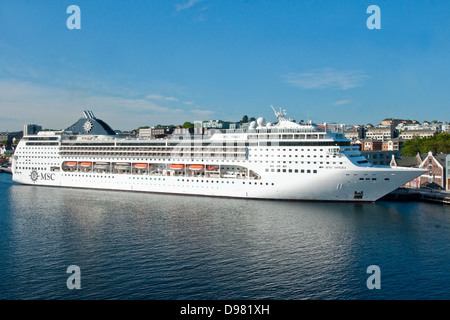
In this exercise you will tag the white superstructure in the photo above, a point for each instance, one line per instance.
(285, 161)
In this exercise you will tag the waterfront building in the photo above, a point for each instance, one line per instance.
(145, 133)
(159, 132)
(445, 127)
(370, 145)
(381, 133)
(215, 124)
(394, 144)
(352, 135)
(435, 176)
(380, 157)
(421, 133)
(355, 133)
(435, 164)
(180, 131)
(447, 172)
(31, 129)
(392, 122)
(409, 162)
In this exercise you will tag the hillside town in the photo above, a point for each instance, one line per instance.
(381, 144)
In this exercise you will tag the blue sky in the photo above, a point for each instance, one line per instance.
(148, 62)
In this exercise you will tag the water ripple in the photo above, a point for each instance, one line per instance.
(141, 246)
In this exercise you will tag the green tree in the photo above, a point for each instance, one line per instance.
(439, 143)
(188, 124)
(411, 147)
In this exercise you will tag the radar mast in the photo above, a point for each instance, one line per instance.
(281, 115)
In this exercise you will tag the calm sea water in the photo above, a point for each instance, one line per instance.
(145, 246)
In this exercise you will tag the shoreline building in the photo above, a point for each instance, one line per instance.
(436, 166)
(380, 133)
(421, 133)
(31, 129)
(447, 166)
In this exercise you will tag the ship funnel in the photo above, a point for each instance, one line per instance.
(88, 114)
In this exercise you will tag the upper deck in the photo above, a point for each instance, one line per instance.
(210, 144)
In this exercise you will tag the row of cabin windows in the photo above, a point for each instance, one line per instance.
(290, 156)
(163, 179)
(292, 170)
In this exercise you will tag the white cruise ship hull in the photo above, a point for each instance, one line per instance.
(348, 185)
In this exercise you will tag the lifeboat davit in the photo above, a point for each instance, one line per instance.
(212, 168)
(122, 165)
(101, 164)
(86, 164)
(141, 165)
(196, 167)
(71, 163)
(177, 166)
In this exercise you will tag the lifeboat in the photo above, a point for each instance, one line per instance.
(196, 167)
(86, 164)
(141, 165)
(71, 163)
(212, 168)
(177, 166)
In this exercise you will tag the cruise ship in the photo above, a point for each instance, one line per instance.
(282, 161)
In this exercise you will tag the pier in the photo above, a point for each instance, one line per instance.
(5, 170)
(428, 195)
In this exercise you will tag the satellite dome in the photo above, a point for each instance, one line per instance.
(261, 121)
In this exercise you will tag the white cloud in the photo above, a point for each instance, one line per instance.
(202, 113)
(186, 5)
(326, 78)
(159, 97)
(341, 102)
(56, 108)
